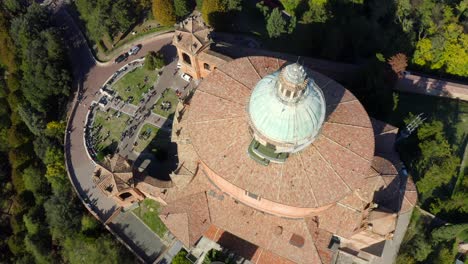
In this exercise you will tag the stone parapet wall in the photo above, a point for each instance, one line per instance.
(434, 87)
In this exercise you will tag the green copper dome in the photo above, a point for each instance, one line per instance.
(287, 108)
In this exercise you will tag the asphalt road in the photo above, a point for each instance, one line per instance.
(89, 76)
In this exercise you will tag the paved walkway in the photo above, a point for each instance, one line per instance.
(89, 76)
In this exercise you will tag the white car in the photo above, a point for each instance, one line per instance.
(178, 65)
(186, 77)
(134, 50)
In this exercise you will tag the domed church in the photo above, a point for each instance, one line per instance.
(278, 163)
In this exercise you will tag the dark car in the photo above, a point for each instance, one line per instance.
(121, 58)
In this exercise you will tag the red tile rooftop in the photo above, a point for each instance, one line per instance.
(336, 164)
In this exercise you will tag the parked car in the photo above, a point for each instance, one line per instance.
(135, 49)
(186, 77)
(178, 65)
(122, 57)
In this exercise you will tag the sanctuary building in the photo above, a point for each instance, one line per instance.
(278, 163)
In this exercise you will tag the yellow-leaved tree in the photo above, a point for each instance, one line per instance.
(163, 11)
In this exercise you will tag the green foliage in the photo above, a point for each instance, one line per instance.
(56, 129)
(33, 119)
(163, 11)
(180, 258)
(81, 249)
(442, 44)
(448, 232)
(317, 12)
(18, 157)
(16, 244)
(212, 10)
(437, 164)
(88, 223)
(276, 24)
(34, 181)
(63, 216)
(290, 5)
(421, 248)
(263, 8)
(34, 92)
(108, 17)
(181, 8)
(55, 169)
(199, 4)
(7, 49)
(41, 144)
(217, 256)
(45, 75)
(32, 227)
(153, 61)
(38, 249)
(446, 254)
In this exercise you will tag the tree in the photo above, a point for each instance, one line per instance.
(437, 163)
(82, 249)
(421, 248)
(56, 129)
(163, 11)
(447, 232)
(290, 5)
(153, 61)
(180, 258)
(33, 119)
(41, 144)
(62, 215)
(107, 17)
(88, 224)
(398, 62)
(263, 8)
(212, 11)
(34, 180)
(276, 25)
(181, 8)
(317, 12)
(18, 135)
(7, 49)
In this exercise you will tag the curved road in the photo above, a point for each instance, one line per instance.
(89, 76)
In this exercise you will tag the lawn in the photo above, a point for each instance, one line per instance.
(148, 212)
(133, 84)
(109, 135)
(151, 136)
(168, 96)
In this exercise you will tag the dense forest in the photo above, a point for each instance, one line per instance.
(433, 33)
(42, 220)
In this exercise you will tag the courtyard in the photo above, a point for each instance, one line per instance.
(134, 85)
(167, 104)
(107, 129)
(150, 138)
(148, 212)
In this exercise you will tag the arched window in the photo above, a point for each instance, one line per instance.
(186, 58)
(206, 66)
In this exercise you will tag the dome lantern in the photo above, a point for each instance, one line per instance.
(286, 110)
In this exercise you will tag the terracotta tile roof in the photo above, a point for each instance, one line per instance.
(192, 34)
(345, 225)
(213, 57)
(342, 167)
(259, 229)
(115, 174)
(187, 218)
(336, 164)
